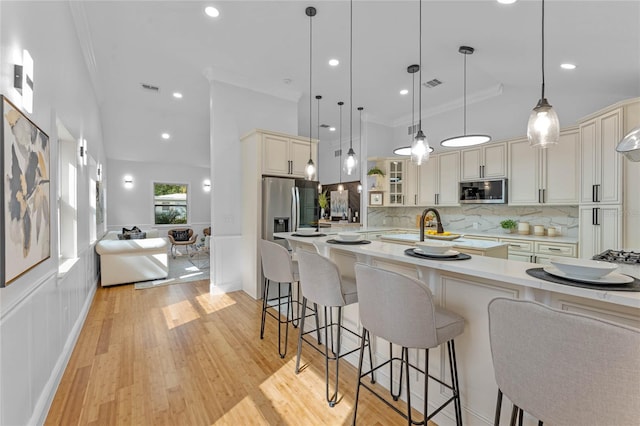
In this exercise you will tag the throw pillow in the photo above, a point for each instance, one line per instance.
(138, 236)
(123, 236)
(181, 235)
(133, 230)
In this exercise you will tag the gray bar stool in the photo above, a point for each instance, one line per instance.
(562, 367)
(322, 284)
(400, 309)
(277, 266)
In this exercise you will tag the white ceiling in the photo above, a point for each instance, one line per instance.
(259, 44)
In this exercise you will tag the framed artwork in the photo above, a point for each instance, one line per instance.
(375, 198)
(339, 203)
(25, 219)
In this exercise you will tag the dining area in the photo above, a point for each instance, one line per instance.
(474, 340)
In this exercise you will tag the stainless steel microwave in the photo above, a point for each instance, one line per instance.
(484, 191)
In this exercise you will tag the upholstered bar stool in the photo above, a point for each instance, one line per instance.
(322, 284)
(564, 368)
(277, 266)
(400, 309)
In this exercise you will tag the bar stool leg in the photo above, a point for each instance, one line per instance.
(295, 319)
(365, 334)
(373, 378)
(453, 366)
(286, 323)
(393, 395)
(265, 291)
(496, 418)
(333, 399)
(520, 417)
(405, 361)
(514, 415)
(315, 308)
(301, 331)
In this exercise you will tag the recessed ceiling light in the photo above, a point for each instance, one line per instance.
(404, 91)
(212, 11)
(334, 62)
(177, 95)
(165, 136)
(332, 129)
(568, 66)
(507, 1)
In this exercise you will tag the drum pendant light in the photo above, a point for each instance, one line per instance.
(420, 145)
(465, 140)
(543, 129)
(310, 170)
(340, 185)
(351, 162)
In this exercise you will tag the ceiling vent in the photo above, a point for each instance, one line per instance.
(411, 130)
(337, 153)
(150, 87)
(432, 83)
(325, 126)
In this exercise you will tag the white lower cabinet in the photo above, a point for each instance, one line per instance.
(600, 229)
(538, 251)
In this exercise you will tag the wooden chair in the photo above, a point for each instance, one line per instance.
(176, 240)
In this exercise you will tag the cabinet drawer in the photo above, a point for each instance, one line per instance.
(479, 237)
(556, 249)
(519, 246)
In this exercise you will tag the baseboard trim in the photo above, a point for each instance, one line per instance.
(42, 406)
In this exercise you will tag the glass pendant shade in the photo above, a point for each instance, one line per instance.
(420, 149)
(310, 170)
(406, 151)
(543, 129)
(350, 163)
(340, 188)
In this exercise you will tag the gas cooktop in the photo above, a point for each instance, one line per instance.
(618, 256)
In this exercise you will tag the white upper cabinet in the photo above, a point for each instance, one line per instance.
(600, 164)
(396, 177)
(600, 229)
(286, 156)
(448, 179)
(488, 161)
(544, 176)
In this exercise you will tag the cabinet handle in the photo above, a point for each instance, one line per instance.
(435, 199)
(593, 193)
(515, 245)
(597, 193)
(539, 196)
(553, 249)
(482, 171)
(415, 199)
(543, 195)
(595, 220)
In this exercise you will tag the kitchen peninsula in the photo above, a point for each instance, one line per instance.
(466, 287)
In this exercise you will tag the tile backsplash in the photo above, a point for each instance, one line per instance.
(485, 217)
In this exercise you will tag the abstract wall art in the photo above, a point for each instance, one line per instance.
(25, 219)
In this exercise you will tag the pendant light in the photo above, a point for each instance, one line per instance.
(340, 185)
(465, 140)
(360, 109)
(310, 170)
(420, 145)
(543, 129)
(318, 97)
(406, 150)
(351, 162)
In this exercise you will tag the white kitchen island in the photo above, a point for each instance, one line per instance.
(466, 287)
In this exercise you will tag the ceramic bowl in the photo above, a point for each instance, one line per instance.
(583, 268)
(306, 231)
(349, 236)
(434, 247)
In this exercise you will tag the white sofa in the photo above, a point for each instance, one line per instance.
(129, 261)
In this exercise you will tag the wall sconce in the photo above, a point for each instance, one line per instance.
(319, 187)
(83, 151)
(23, 80)
(359, 188)
(128, 181)
(99, 172)
(206, 185)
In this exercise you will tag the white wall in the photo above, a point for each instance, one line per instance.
(134, 206)
(40, 313)
(235, 112)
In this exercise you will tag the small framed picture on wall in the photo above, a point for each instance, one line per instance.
(375, 198)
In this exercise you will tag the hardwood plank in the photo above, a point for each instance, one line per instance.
(180, 355)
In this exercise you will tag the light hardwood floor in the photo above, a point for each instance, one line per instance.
(177, 355)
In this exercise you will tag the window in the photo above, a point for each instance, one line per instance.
(67, 198)
(170, 203)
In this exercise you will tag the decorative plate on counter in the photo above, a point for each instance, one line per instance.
(449, 237)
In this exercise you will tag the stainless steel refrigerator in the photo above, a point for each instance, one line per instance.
(288, 204)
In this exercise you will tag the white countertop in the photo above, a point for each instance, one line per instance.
(501, 270)
(459, 242)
